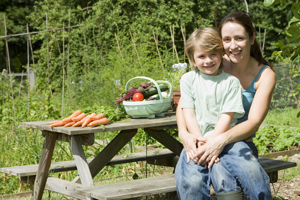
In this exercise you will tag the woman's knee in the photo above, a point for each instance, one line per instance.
(239, 150)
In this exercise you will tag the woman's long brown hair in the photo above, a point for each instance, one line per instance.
(244, 20)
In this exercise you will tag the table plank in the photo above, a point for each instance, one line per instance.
(131, 189)
(168, 120)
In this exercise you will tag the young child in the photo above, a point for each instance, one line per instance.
(211, 99)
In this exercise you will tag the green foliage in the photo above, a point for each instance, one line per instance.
(291, 49)
(276, 138)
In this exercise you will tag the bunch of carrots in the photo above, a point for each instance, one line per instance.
(81, 119)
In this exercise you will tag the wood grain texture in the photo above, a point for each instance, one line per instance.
(169, 120)
(101, 160)
(31, 170)
(131, 189)
(45, 161)
(270, 165)
(81, 162)
(166, 139)
(64, 187)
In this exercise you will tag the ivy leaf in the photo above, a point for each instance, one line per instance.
(293, 20)
(280, 45)
(293, 33)
(296, 10)
(271, 2)
(296, 53)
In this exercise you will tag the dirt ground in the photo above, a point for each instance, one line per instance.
(286, 189)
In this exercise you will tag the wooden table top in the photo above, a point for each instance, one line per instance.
(168, 120)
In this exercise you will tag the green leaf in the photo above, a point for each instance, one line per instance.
(271, 2)
(293, 20)
(296, 10)
(280, 45)
(298, 115)
(296, 53)
(293, 33)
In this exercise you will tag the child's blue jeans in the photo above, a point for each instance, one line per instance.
(238, 168)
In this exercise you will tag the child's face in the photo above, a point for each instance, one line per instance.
(207, 62)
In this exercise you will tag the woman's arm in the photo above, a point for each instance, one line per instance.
(258, 111)
(188, 140)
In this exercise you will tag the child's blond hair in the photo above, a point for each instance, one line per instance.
(206, 38)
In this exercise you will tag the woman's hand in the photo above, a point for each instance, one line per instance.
(208, 152)
(189, 144)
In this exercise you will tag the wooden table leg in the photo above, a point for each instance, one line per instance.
(81, 162)
(45, 161)
(111, 150)
(100, 161)
(166, 139)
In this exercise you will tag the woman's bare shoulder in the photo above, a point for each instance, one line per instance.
(267, 77)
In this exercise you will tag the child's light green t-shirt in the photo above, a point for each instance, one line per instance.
(211, 96)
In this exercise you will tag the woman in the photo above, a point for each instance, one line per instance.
(238, 167)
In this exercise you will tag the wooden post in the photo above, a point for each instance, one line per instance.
(215, 16)
(85, 48)
(45, 161)
(28, 71)
(21, 84)
(63, 65)
(32, 57)
(8, 60)
(173, 40)
(183, 32)
(162, 66)
(135, 49)
(68, 68)
(48, 60)
(118, 46)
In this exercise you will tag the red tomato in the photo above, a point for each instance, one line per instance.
(138, 97)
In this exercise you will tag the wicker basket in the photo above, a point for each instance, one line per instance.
(152, 108)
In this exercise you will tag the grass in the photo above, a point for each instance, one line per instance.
(283, 117)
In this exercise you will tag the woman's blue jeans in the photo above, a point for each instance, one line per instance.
(238, 168)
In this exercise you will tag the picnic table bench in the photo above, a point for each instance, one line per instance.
(83, 186)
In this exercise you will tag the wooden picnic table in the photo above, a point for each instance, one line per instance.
(78, 136)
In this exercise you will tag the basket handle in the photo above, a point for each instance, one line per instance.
(155, 83)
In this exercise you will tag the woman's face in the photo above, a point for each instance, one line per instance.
(236, 41)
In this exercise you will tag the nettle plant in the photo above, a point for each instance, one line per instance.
(291, 50)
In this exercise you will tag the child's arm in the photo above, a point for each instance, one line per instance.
(191, 121)
(223, 123)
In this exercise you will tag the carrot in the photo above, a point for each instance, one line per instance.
(100, 116)
(75, 114)
(80, 122)
(88, 120)
(53, 122)
(102, 121)
(69, 124)
(79, 117)
(58, 124)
